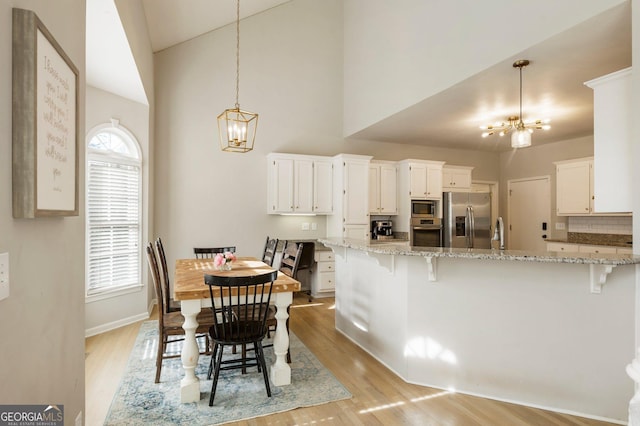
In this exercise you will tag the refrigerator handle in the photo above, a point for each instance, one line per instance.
(472, 223)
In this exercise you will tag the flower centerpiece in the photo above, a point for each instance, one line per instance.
(223, 261)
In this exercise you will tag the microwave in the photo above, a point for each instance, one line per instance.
(424, 208)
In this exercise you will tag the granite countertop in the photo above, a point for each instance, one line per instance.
(404, 249)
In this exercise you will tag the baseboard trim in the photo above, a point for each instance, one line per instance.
(115, 324)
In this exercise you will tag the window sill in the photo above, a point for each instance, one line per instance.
(109, 293)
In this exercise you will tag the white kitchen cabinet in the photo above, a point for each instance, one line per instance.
(456, 178)
(563, 247)
(612, 143)
(356, 202)
(323, 278)
(583, 248)
(597, 249)
(574, 187)
(299, 184)
(323, 186)
(383, 182)
(350, 218)
(356, 232)
(280, 185)
(425, 179)
(303, 186)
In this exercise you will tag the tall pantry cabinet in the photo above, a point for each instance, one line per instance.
(351, 197)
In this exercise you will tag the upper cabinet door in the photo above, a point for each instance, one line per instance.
(434, 182)
(356, 192)
(612, 164)
(374, 188)
(456, 178)
(281, 186)
(303, 186)
(573, 188)
(323, 187)
(388, 198)
(418, 181)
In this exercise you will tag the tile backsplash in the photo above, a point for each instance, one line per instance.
(600, 224)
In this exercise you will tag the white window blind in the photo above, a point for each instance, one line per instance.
(113, 225)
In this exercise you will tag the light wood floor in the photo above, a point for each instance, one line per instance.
(379, 396)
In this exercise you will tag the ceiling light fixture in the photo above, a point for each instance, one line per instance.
(237, 127)
(521, 136)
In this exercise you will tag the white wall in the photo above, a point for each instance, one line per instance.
(538, 161)
(112, 312)
(42, 321)
(291, 74)
(399, 53)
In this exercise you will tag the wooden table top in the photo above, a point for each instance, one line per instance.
(189, 276)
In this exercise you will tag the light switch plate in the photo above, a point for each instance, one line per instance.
(4, 275)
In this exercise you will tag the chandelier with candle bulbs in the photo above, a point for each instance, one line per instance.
(520, 131)
(237, 127)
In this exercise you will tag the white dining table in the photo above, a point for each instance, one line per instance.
(193, 294)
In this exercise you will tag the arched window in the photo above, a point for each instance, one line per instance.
(114, 207)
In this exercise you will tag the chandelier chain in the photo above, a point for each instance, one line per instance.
(238, 54)
(521, 122)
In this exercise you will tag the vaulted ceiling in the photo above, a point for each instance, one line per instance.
(552, 85)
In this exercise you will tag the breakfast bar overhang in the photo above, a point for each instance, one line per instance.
(548, 330)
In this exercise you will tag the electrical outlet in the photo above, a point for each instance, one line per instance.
(560, 226)
(305, 226)
(4, 275)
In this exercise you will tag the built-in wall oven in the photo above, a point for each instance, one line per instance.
(426, 232)
(426, 226)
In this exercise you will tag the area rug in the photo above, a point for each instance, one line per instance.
(140, 401)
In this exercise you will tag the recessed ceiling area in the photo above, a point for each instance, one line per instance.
(553, 87)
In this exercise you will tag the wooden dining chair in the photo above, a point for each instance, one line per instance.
(290, 261)
(170, 305)
(170, 324)
(269, 252)
(210, 252)
(239, 321)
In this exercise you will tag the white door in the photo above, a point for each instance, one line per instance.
(529, 213)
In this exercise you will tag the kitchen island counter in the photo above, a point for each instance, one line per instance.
(551, 330)
(404, 249)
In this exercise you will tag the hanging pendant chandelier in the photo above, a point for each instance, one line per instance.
(237, 127)
(521, 131)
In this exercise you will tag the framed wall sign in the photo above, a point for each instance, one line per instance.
(45, 122)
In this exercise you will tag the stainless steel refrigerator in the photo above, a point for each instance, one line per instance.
(467, 219)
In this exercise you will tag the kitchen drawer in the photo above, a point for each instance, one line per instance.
(597, 249)
(326, 282)
(326, 267)
(324, 256)
(624, 250)
(563, 247)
